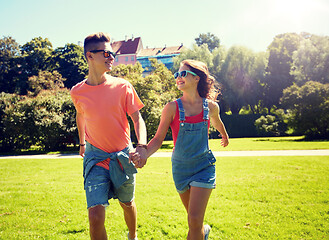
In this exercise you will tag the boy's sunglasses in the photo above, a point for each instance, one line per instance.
(106, 53)
(183, 74)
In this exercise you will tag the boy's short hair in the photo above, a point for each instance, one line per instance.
(93, 40)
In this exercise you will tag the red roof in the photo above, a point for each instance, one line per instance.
(160, 51)
(131, 46)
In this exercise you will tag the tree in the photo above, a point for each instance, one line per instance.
(46, 120)
(210, 39)
(155, 90)
(311, 60)
(70, 62)
(9, 51)
(45, 81)
(36, 56)
(280, 61)
(309, 105)
(241, 75)
(200, 53)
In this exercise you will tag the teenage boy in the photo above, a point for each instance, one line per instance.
(102, 104)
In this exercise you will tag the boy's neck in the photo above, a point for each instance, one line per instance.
(95, 79)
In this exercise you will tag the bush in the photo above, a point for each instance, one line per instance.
(47, 121)
(309, 106)
(270, 125)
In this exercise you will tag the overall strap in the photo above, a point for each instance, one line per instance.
(205, 109)
(181, 110)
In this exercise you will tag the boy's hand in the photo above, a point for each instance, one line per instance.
(137, 158)
(142, 156)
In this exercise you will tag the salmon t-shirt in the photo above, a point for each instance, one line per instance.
(105, 108)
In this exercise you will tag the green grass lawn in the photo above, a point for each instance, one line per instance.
(265, 143)
(255, 198)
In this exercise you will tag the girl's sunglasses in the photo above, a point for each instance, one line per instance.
(183, 74)
(106, 53)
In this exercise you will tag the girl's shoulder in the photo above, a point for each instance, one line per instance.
(169, 111)
(213, 106)
(171, 106)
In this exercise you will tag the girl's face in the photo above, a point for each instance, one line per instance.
(186, 80)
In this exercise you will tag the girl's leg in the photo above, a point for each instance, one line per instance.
(195, 201)
(185, 197)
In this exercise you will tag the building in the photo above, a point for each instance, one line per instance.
(164, 55)
(129, 51)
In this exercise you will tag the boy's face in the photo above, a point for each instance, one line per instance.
(99, 61)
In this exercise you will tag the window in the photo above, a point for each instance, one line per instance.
(132, 58)
(126, 59)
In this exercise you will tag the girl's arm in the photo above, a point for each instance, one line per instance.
(217, 122)
(167, 116)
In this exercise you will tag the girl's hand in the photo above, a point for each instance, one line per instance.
(224, 142)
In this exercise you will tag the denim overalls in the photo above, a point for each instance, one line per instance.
(193, 163)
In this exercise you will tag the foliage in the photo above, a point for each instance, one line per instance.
(210, 39)
(200, 53)
(8, 125)
(45, 81)
(271, 125)
(309, 105)
(45, 120)
(36, 56)
(280, 61)
(311, 60)
(9, 51)
(253, 82)
(70, 62)
(242, 73)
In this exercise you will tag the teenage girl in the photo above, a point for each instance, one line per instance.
(193, 164)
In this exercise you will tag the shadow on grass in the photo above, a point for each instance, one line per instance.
(68, 150)
(74, 231)
(290, 139)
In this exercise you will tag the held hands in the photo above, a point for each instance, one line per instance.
(139, 157)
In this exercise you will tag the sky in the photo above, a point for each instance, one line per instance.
(159, 23)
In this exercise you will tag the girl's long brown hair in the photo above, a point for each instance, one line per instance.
(207, 83)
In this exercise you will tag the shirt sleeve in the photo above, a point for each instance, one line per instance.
(132, 100)
(76, 103)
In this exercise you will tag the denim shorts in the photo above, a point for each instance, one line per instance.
(99, 188)
(195, 172)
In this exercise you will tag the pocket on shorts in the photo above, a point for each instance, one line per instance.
(211, 158)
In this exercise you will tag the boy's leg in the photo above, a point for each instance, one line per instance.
(96, 222)
(130, 214)
(97, 190)
(125, 196)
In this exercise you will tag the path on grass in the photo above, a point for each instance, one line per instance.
(322, 152)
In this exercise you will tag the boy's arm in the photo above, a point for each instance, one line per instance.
(217, 122)
(81, 129)
(141, 134)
